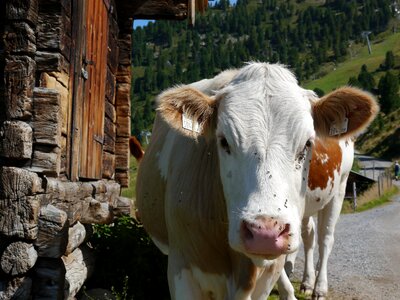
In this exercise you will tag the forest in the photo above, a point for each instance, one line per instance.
(298, 33)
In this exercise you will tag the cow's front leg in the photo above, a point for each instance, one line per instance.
(285, 287)
(327, 219)
(182, 284)
(308, 235)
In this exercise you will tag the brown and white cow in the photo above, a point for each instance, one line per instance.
(135, 148)
(329, 169)
(222, 184)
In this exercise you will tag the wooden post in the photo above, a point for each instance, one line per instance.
(379, 186)
(354, 196)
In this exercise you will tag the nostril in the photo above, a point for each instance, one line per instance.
(246, 231)
(285, 230)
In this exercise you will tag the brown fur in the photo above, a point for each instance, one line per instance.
(186, 100)
(320, 173)
(360, 107)
(136, 148)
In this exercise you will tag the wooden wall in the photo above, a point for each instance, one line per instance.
(50, 193)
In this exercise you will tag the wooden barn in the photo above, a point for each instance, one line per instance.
(65, 81)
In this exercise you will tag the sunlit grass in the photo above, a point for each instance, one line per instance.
(339, 75)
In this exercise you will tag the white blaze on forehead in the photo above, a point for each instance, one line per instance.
(264, 105)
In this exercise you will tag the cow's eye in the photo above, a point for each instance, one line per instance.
(224, 144)
(302, 155)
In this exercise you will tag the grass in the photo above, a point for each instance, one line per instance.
(296, 284)
(369, 199)
(338, 75)
(130, 191)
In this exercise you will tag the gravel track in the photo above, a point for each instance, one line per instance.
(365, 260)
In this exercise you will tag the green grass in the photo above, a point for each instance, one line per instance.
(130, 192)
(339, 75)
(296, 284)
(385, 198)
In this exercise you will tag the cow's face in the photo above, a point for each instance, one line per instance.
(264, 125)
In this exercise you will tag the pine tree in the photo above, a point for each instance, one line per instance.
(388, 90)
(366, 79)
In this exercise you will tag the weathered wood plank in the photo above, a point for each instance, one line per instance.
(19, 37)
(124, 45)
(51, 82)
(19, 217)
(54, 30)
(113, 50)
(110, 86)
(151, 9)
(109, 143)
(63, 155)
(108, 165)
(122, 153)
(123, 110)
(76, 236)
(122, 177)
(123, 94)
(51, 62)
(48, 279)
(22, 10)
(79, 265)
(18, 258)
(47, 116)
(46, 160)
(16, 141)
(19, 74)
(123, 126)
(16, 183)
(53, 232)
(110, 111)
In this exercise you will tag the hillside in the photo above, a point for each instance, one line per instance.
(319, 40)
(383, 136)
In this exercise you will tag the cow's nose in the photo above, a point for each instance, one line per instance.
(265, 236)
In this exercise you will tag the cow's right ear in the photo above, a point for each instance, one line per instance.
(188, 110)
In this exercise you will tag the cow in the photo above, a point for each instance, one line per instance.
(222, 184)
(329, 169)
(135, 148)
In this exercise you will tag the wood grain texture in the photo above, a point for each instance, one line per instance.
(16, 141)
(18, 258)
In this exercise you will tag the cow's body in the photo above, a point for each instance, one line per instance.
(329, 169)
(225, 198)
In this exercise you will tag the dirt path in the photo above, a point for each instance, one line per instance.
(365, 260)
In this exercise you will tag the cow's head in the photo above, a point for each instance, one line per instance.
(264, 125)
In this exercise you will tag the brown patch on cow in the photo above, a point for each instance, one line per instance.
(318, 199)
(245, 272)
(136, 148)
(326, 159)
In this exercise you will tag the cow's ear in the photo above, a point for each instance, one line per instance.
(188, 110)
(344, 112)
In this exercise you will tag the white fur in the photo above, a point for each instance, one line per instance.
(266, 119)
